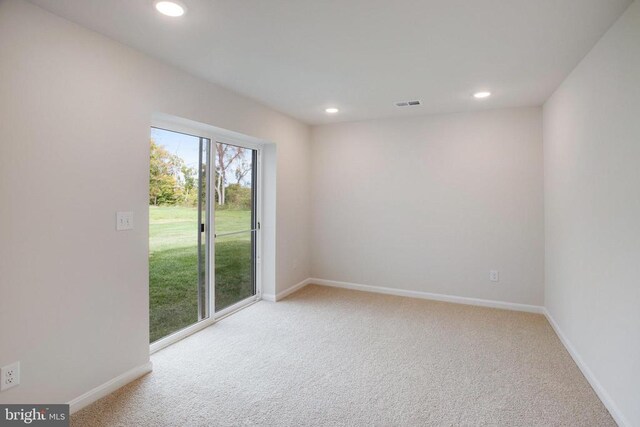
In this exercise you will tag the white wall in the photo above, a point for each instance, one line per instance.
(432, 204)
(75, 110)
(425, 203)
(592, 211)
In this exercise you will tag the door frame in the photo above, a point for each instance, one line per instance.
(241, 141)
(238, 142)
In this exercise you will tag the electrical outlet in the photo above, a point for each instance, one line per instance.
(494, 275)
(9, 376)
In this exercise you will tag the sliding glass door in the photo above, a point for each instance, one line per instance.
(178, 241)
(236, 225)
(203, 219)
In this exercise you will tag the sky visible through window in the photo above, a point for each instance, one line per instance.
(184, 146)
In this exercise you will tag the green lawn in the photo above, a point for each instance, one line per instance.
(173, 265)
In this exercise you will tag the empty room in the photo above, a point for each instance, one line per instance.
(319, 213)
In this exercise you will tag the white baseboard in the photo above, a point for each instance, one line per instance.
(281, 295)
(109, 387)
(135, 373)
(608, 402)
(268, 297)
(430, 296)
(588, 374)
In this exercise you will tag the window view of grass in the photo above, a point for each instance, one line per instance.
(173, 266)
(174, 228)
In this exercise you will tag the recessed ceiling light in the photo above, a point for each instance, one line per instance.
(481, 95)
(170, 8)
(331, 110)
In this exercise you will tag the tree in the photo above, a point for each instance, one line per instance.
(238, 197)
(165, 171)
(190, 178)
(243, 167)
(226, 155)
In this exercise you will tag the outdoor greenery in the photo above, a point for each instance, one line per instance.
(172, 182)
(173, 265)
(173, 235)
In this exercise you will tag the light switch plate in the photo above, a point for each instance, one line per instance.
(124, 221)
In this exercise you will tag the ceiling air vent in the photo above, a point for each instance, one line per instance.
(407, 103)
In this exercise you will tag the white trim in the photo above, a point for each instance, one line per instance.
(606, 399)
(215, 135)
(608, 402)
(283, 294)
(258, 214)
(191, 127)
(223, 314)
(198, 326)
(269, 297)
(430, 296)
(181, 334)
(109, 387)
(236, 306)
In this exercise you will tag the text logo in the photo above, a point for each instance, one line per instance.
(34, 415)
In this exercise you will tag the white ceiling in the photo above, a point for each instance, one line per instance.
(300, 56)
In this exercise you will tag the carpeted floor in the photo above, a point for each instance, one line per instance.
(328, 356)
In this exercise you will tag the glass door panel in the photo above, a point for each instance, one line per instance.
(235, 224)
(178, 243)
(234, 269)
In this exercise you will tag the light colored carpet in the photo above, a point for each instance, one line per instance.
(335, 357)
